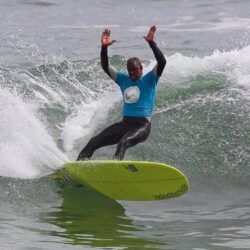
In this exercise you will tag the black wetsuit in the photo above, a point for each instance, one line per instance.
(131, 130)
(125, 134)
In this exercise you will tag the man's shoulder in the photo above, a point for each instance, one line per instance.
(121, 77)
(122, 73)
(150, 79)
(150, 75)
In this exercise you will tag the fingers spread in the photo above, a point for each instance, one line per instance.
(153, 28)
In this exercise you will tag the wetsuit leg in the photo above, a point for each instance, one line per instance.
(109, 136)
(137, 134)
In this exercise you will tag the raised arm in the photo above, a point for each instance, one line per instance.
(107, 67)
(160, 58)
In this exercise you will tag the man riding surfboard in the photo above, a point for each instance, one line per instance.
(138, 92)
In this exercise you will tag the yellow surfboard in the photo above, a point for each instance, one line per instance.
(130, 180)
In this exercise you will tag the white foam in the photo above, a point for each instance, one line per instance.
(81, 124)
(234, 64)
(26, 148)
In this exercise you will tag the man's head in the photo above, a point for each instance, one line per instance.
(135, 68)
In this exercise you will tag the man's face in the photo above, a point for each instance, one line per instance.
(134, 70)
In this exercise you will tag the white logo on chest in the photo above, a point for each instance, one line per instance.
(131, 94)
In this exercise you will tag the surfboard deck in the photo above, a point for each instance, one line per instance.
(130, 180)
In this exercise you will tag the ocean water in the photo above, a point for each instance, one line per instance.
(54, 96)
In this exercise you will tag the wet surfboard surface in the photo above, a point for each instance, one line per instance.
(130, 180)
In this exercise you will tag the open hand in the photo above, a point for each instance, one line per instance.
(150, 35)
(105, 40)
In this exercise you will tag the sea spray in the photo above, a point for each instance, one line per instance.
(26, 148)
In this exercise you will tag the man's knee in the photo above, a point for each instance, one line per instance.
(93, 140)
(133, 140)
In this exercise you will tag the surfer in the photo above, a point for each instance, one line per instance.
(138, 92)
